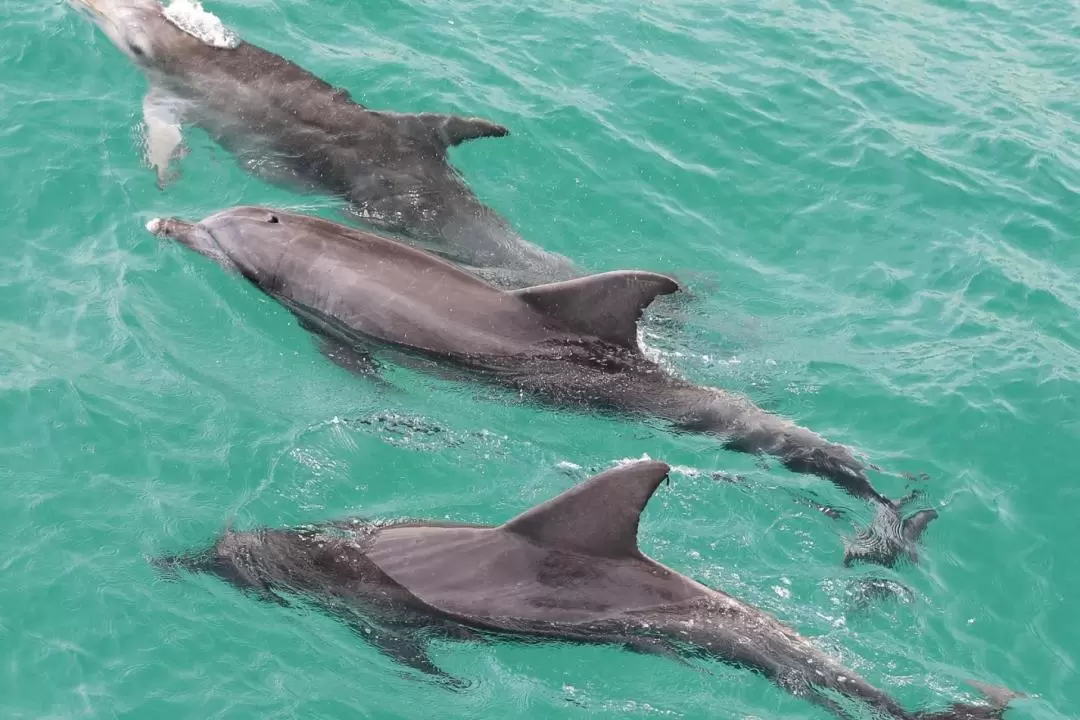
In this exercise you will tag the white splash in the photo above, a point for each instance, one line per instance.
(630, 461)
(189, 16)
(647, 350)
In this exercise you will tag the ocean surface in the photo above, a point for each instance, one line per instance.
(873, 207)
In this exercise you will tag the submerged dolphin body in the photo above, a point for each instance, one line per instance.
(289, 127)
(570, 344)
(568, 569)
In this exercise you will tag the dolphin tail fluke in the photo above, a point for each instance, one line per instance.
(913, 527)
(890, 537)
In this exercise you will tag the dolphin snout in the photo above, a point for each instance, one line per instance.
(193, 235)
(170, 227)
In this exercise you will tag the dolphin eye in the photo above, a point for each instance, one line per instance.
(139, 44)
(273, 219)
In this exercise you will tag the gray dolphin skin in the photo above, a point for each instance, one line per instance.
(571, 344)
(289, 127)
(568, 569)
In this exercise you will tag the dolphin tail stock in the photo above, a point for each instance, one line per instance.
(999, 699)
(749, 429)
(742, 426)
(837, 464)
(208, 561)
(803, 451)
(196, 561)
(170, 566)
(964, 711)
(849, 687)
(996, 702)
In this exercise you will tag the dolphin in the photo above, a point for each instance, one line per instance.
(289, 127)
(568, 569)
(572, 343)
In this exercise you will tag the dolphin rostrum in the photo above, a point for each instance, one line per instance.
(572, 343)
(568, 569)
(289, 127)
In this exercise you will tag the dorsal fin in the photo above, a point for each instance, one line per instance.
(599, 517)
(453, 129)
(607, 305)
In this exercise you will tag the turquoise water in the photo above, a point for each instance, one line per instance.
(872, 204)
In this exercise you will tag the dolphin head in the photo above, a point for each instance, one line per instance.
(251, 225)
(128, 23)
(147, 33)
(248, 239)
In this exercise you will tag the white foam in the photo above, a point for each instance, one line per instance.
(189, 16)
(630, 461)
(686, 471)
(155, 225)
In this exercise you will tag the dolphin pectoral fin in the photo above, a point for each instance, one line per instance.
(822, 700)
(453, 130)
(347, 357)
(655, 647)
(358, 362)
(606, 305)
(163, 134)
(405, 648)
(464, 634)
(350, 352)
